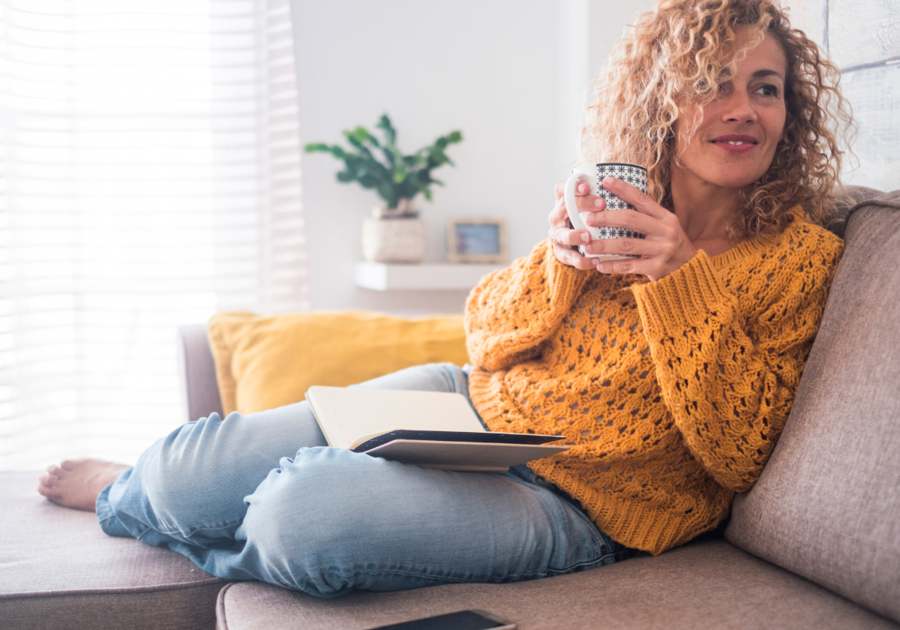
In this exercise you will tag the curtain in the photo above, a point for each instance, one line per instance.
(149, 177)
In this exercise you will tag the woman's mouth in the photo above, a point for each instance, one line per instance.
(735, 143)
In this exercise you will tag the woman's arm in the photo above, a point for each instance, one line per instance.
(729, 377)
(512, 312)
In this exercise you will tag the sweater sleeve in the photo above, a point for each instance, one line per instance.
(729, 377)
(512, 312)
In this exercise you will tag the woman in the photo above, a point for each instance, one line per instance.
(671, 374)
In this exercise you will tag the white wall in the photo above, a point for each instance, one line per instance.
(510, 74)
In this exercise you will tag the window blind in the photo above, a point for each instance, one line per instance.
(149, 177)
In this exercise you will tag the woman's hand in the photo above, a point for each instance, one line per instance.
(663, 250)
(564, 238)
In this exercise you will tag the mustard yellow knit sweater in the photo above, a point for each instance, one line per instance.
(672, 392)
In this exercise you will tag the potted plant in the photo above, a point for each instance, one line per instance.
(393, 233)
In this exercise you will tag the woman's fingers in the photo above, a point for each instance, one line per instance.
(560, 189)
(571, 257)
(561, 228)
(641, 201)
(581, 188)
(630, 219)
(617, 246)
(565, 239)
(586, 201)
(640, 266)
(568, 237)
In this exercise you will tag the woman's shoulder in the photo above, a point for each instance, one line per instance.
(806, 239)
(802, 253)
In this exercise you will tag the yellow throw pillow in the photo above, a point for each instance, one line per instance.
(267, 362)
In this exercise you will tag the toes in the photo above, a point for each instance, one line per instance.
(48, 491)
(55, 472)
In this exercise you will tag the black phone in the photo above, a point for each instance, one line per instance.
(462, 620)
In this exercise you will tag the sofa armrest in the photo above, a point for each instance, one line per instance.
(200, 390)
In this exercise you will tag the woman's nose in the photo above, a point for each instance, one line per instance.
(738, 107)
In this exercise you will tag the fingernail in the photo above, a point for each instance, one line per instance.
(598, 202)
(585, 238)
(582, 187)
(608, 180)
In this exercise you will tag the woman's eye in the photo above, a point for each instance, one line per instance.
(768, 90)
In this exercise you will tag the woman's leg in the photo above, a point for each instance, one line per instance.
(260, 497)
(330, 521)
(191, 486)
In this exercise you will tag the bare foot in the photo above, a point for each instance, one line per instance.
(76, 483)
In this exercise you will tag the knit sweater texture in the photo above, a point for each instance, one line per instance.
(672, 393)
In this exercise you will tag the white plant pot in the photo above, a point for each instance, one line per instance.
(393, 240)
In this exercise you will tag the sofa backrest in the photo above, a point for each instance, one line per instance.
(827, 505)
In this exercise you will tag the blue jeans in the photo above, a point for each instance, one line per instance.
(262, 497)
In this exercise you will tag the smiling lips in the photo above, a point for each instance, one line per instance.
(734, 143)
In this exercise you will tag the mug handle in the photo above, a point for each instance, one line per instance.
(571, 205)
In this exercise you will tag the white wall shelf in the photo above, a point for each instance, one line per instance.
(432, 277)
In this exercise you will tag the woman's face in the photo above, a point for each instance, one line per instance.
(736, 140)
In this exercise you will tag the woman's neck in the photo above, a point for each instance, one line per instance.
(705, 212)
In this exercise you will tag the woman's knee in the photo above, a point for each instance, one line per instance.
(182, 475)
(310, 523)
(436, 377)
(311, 500)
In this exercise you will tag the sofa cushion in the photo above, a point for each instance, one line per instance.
(267, 362)
(703, 585)
(827, 505)
(850, 203)
(59, 570)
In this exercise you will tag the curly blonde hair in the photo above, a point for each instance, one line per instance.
(679, 54)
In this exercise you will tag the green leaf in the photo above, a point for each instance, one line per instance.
(369, 181)
(353, 140)
(337, 152)
(361, 134)
(390, 134)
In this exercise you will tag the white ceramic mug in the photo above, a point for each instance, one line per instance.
(593, 174)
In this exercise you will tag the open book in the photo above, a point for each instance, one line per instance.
(430, 429)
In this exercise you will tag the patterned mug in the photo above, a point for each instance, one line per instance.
(593, 175)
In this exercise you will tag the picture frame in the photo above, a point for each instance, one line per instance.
(476, 240)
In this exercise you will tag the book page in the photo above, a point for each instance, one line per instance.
(346, 414)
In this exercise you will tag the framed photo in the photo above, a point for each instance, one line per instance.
(476, 241)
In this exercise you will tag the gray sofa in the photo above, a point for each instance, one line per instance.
(814, 545)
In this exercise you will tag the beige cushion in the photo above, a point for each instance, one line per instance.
(703, 586)
(827, 505)
(59, 570)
